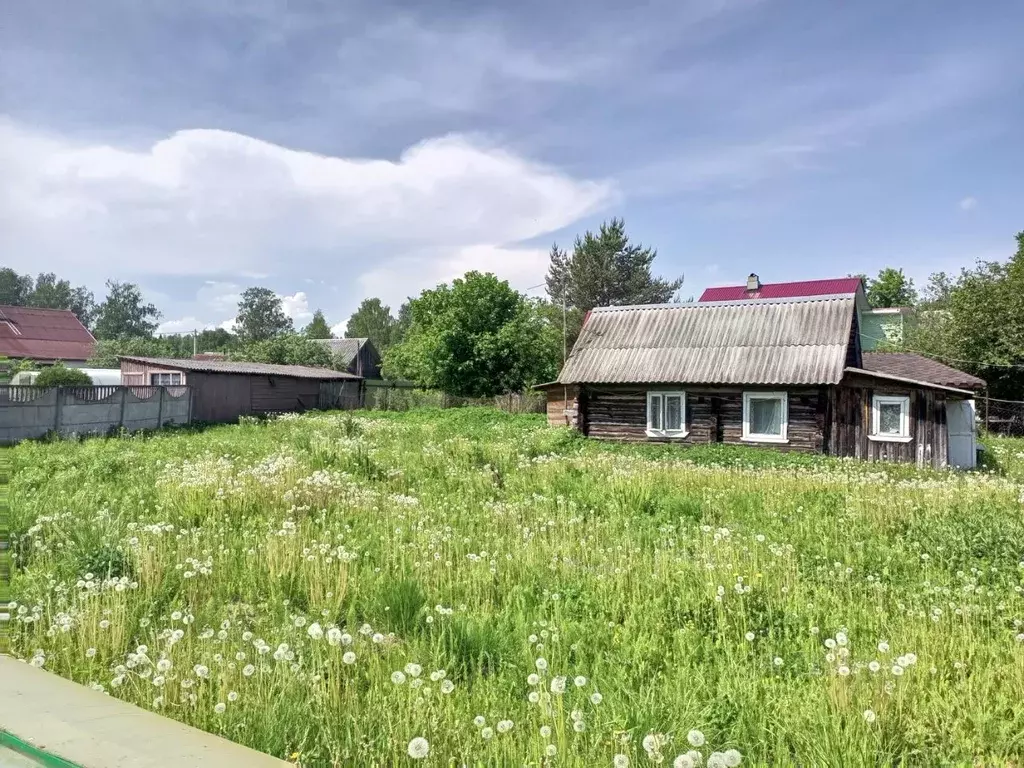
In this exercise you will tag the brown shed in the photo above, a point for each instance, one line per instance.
(786, 373)
(222, 391)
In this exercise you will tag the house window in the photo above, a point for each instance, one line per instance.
(666, 414)
(765, 417)
(890, 418)
(164, 379)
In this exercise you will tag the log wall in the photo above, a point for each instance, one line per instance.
(713, 415)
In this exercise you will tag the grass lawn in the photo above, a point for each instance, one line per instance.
(468, 587)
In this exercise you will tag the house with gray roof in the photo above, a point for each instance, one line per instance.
(357, 356)
(788, 373)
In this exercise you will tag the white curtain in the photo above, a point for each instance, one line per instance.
(765, 416)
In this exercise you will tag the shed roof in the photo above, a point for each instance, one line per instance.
(792, 341)
(245, 369)
(44, 334)
(800, 288)
(887, 377)
(344, 349)
(914, 366)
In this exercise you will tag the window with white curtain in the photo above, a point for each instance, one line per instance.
(164, 379)
(890, 418)
(765, 417)
(666, 414)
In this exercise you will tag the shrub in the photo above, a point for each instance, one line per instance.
(58, 375)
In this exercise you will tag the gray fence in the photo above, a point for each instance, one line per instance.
(33, 412)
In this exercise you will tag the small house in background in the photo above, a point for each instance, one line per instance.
(357, 356)
(44, 335)
(782, 372)
(885, 326)
(222, 391)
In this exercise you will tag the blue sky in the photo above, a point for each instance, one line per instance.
(333, 151)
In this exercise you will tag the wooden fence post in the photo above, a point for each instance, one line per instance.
(160, 410)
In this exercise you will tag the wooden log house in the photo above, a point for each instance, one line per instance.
(785, 373)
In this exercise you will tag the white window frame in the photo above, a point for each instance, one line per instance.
(876, 417)
(651, 431)
(752, 437)
(170, 376)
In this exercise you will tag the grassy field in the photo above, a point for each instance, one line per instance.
(472, 588)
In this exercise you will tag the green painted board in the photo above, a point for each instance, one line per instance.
(15, 753)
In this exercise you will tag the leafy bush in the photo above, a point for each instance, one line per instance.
(287, 349)
(59, 375)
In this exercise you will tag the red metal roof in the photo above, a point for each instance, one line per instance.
(841, 285)
(43, 334)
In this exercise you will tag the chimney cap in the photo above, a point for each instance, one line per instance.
(753, 282)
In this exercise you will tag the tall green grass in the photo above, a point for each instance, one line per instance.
(300, 585)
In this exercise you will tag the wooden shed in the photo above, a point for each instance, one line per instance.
(785, 373)
(222, 391)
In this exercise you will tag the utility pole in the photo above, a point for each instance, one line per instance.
(195, 341)
(565, 332)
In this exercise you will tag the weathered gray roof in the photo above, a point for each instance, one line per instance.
(788, 341)
(344, 349)
(257, 369)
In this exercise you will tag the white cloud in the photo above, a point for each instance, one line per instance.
(968, 204)
(296, 307)
(214, 203)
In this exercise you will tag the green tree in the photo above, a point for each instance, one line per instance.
(58, 375)
(286, 349)
(124, 314)
(975, 322)
(474, 338)
(373, 321)
(318, 327)
(14, 288)
(605, 270)
(891, 289)
(261, 316)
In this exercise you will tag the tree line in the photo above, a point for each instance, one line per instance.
(478, 337)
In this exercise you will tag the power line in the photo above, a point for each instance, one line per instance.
(944, 357)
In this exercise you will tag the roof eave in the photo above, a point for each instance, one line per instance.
(905, 380)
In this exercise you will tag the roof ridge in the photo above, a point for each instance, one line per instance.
(729, 302)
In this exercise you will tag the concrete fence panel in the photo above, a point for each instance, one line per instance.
(33, 412)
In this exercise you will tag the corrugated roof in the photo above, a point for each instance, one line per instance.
(43, 334)
(255, 369)
(795, 341)
(800, 288)
(344, 349)
(913, 366)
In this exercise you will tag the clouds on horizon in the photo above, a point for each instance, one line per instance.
(217, 203)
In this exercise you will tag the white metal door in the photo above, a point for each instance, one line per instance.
(960, 422)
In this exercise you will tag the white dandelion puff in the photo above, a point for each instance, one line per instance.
(418, 748)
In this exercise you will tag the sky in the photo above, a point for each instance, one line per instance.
(333, 151)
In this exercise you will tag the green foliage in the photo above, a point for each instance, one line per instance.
(318, 327)
(605, 270)
(124, 314)
(107, 351)
(47, 292)
(261, 316)
(373, 321)
(976, 322)
(286, 349)
(58, 375)
(891, 289)
(475, 338)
